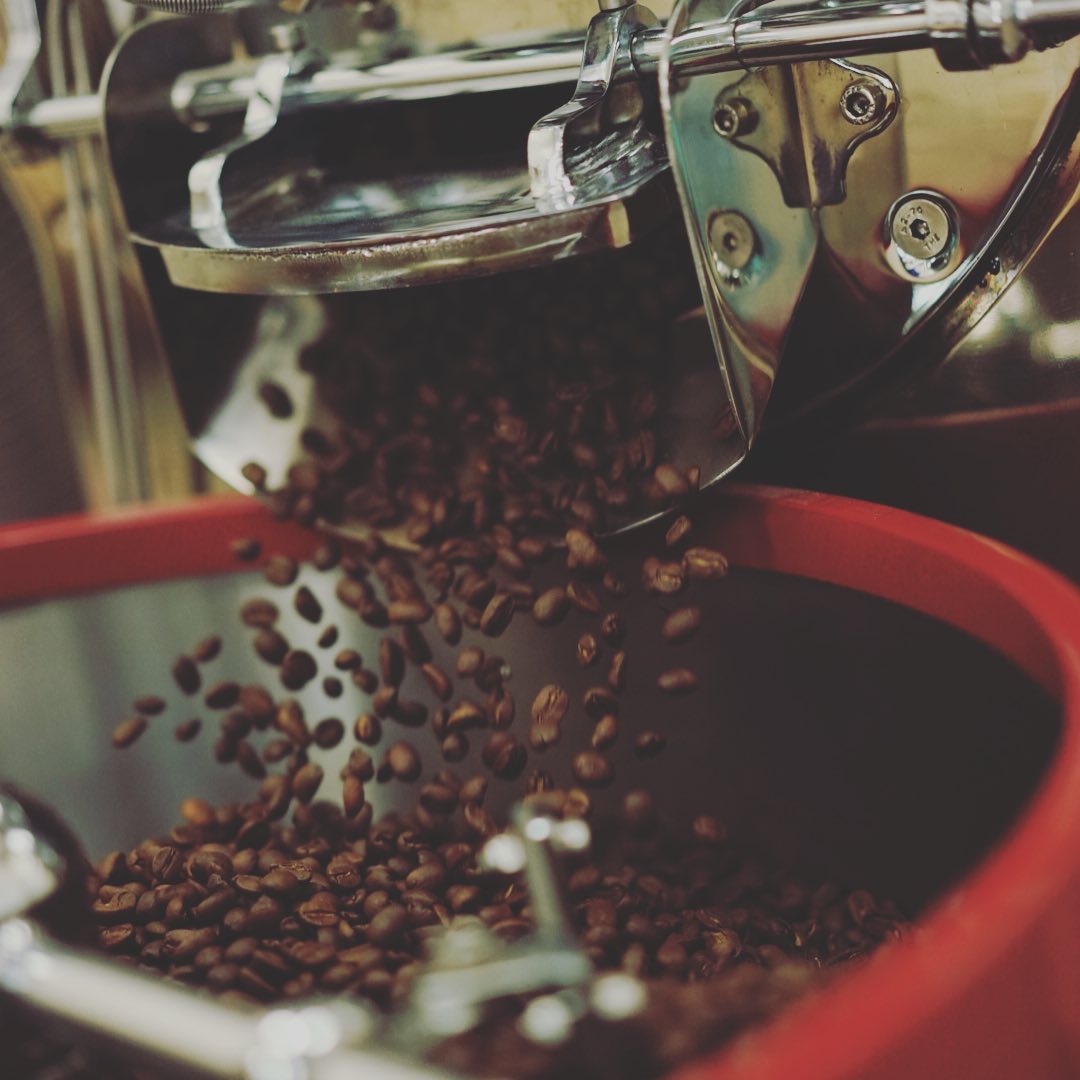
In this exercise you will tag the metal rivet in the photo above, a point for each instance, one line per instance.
(732, 239)
(862, 102)
(734, 117)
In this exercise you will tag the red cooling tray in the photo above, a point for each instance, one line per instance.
(990, 987)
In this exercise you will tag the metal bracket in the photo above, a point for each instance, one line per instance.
(600, 139)
(806, 120)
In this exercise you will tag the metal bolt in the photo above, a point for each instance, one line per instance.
(732, 239)
(921, 227)
(734, 117)
(862, 102)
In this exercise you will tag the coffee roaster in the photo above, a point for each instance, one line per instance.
(859, 186)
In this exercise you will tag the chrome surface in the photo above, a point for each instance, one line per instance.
(29, 868)
(599, 143)
(920, 237)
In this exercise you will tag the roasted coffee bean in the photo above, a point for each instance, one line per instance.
(149, 705)
(677, 681)
(678, 531)
(271, 646)
(306, 605)
(599, 701)
(384, 701)
(306, 781)
(257, 703)
(332, 686)
(188, 730)
(126, 733)
(454, 747)
(504, 756)
(186, 675)
(605, 733)
(207, 649)
(438, 680)
(616, 676)
(681, 624)
(613, 628)
(551, 606)
(448, 623)
(365, 680)
(258, 613)
(583, 597)
(289, 720)
(705, 564)
(276, 399)
(497, 614)
(348, 660)
(328, 733)
(541, 736)
(328, 638)
(663, 578)
(326, 556)
(593, 769)
(501, 709)
(298, 668)
(198, 812)
(649, 744)
(403, 761)
(639, 812)
(222, 695)
(246, 549)
(408, 611)
(583, 550)
(414, 643)
(469, 661)
(280, 570)
(367, 729)
(391, 662)
(588, 650)
(550, 705)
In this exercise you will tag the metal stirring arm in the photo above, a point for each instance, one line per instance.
(321, 1040)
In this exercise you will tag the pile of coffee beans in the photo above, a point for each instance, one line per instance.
(486, 462)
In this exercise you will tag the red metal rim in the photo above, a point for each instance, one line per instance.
(1005, 599)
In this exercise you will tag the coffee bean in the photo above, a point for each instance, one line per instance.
(247, 549)
(678, 531)
(207, 649)
(593, 769)
(332, 686)
(550, 705)
(186, 675)
(280, 570)
(276, 399)
(328, 638)
(149, 705)
(222, 695)
(649, 744)
(188, 730)
(387, 925)
(391, 662)
(126, 733)
(271, 646)
(198, 812)
(497, 614)
(583, 597)
(541, 736)
(289, 720)
(588, 650)
(681, 624)
(404, 761)
(454, 747)
(551, 606)
(605, 733)
(298, 668)
(365, 680)
(408, 611)
(348, 660)
(639, 812)
(258, 613)
(257, 703)
(328, 733)
(583, 549)
(384, 701)
(306, 781)
(367, 729)
(705, 564)
(415, 644)
(599, 701)
(438, 680)
(469, 661)
(613, 628)
(448, 623)
(307, 606)
(504, 756)
(663, 578)
(677, 681)
(616, 676)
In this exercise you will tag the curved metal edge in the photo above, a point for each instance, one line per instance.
(383, 263)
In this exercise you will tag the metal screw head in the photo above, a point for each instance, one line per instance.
(734, 117)
(921, 227)
(732, 239)
(862, 102)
